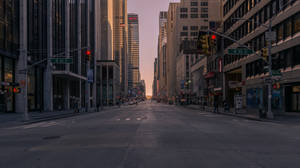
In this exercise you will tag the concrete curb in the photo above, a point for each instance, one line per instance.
(54, 117)
(233, 115)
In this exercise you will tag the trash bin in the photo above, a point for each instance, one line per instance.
(262, 113)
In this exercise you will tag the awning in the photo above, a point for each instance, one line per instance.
(210, 75)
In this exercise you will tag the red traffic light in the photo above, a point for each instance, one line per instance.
(213, 37)
(88, 52)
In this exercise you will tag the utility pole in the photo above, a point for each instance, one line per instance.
(23, 60)
(270, 113)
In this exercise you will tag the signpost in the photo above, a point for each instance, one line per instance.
(238, 101)
(61, 60)
(276, 73)
(270, 36)
(240, 51)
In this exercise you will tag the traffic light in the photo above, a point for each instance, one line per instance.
(213, 41)
(264, 53)
(89, 55)
(203, 42)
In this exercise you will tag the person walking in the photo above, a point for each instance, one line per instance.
(226, 106)
(215, 106)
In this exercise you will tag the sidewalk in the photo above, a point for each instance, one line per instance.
(287, 117)
(12, 119)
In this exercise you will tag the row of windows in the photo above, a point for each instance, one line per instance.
(285, 29)
(193, 16)
(267, 12)
(228, 5)
(186, 33)
(194, 27)
(212, 66)
(244, 8)
(193, 10)
(281, 60)
(201, 3)
(9, 31)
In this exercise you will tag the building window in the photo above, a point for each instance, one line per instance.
(1, 69)
(184, 34)
(185, 28)
(183, 9)
(280, 32)
(287, 28)
(194, 9)
(194, 33)
(194, 15)
(194, 27)
(296, 23)
(183, 16)
(204, 15)
(204, 10)
(296, 55)
(273, 9)
(204, 4)
(194, 3)
(204, 27)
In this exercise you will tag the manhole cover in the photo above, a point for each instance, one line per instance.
(51, 137)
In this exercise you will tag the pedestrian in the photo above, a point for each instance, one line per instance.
(216, 106)
(262, 111)
(204, 105)
(119, 102)
(226, 106)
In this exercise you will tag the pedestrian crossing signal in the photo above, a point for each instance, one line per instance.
(276, 86)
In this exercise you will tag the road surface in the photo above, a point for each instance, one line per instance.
(151, 135)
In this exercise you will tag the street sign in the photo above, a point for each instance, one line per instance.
(239, 51)
(268, 80)
(238, 100)
(270, 36)
(61, 60)
(276, 73)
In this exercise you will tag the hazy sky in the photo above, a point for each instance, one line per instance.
(148, 11)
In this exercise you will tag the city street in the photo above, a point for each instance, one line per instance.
(151, 135)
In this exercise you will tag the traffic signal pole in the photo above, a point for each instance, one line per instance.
(270, 114)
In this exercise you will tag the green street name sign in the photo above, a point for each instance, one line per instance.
(61, 60)
(240, 51)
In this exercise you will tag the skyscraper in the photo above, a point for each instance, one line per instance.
(162, 54)
(120, 38)
(133, 51)
(107, 21)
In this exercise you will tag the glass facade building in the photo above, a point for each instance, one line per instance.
(133, 51)
(9, 45)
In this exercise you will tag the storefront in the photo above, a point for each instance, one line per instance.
(234, 85)
(254, 97)
(292, 95)
(259, 96)
(7, 77)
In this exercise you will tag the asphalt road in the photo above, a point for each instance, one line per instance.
(151, 135)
